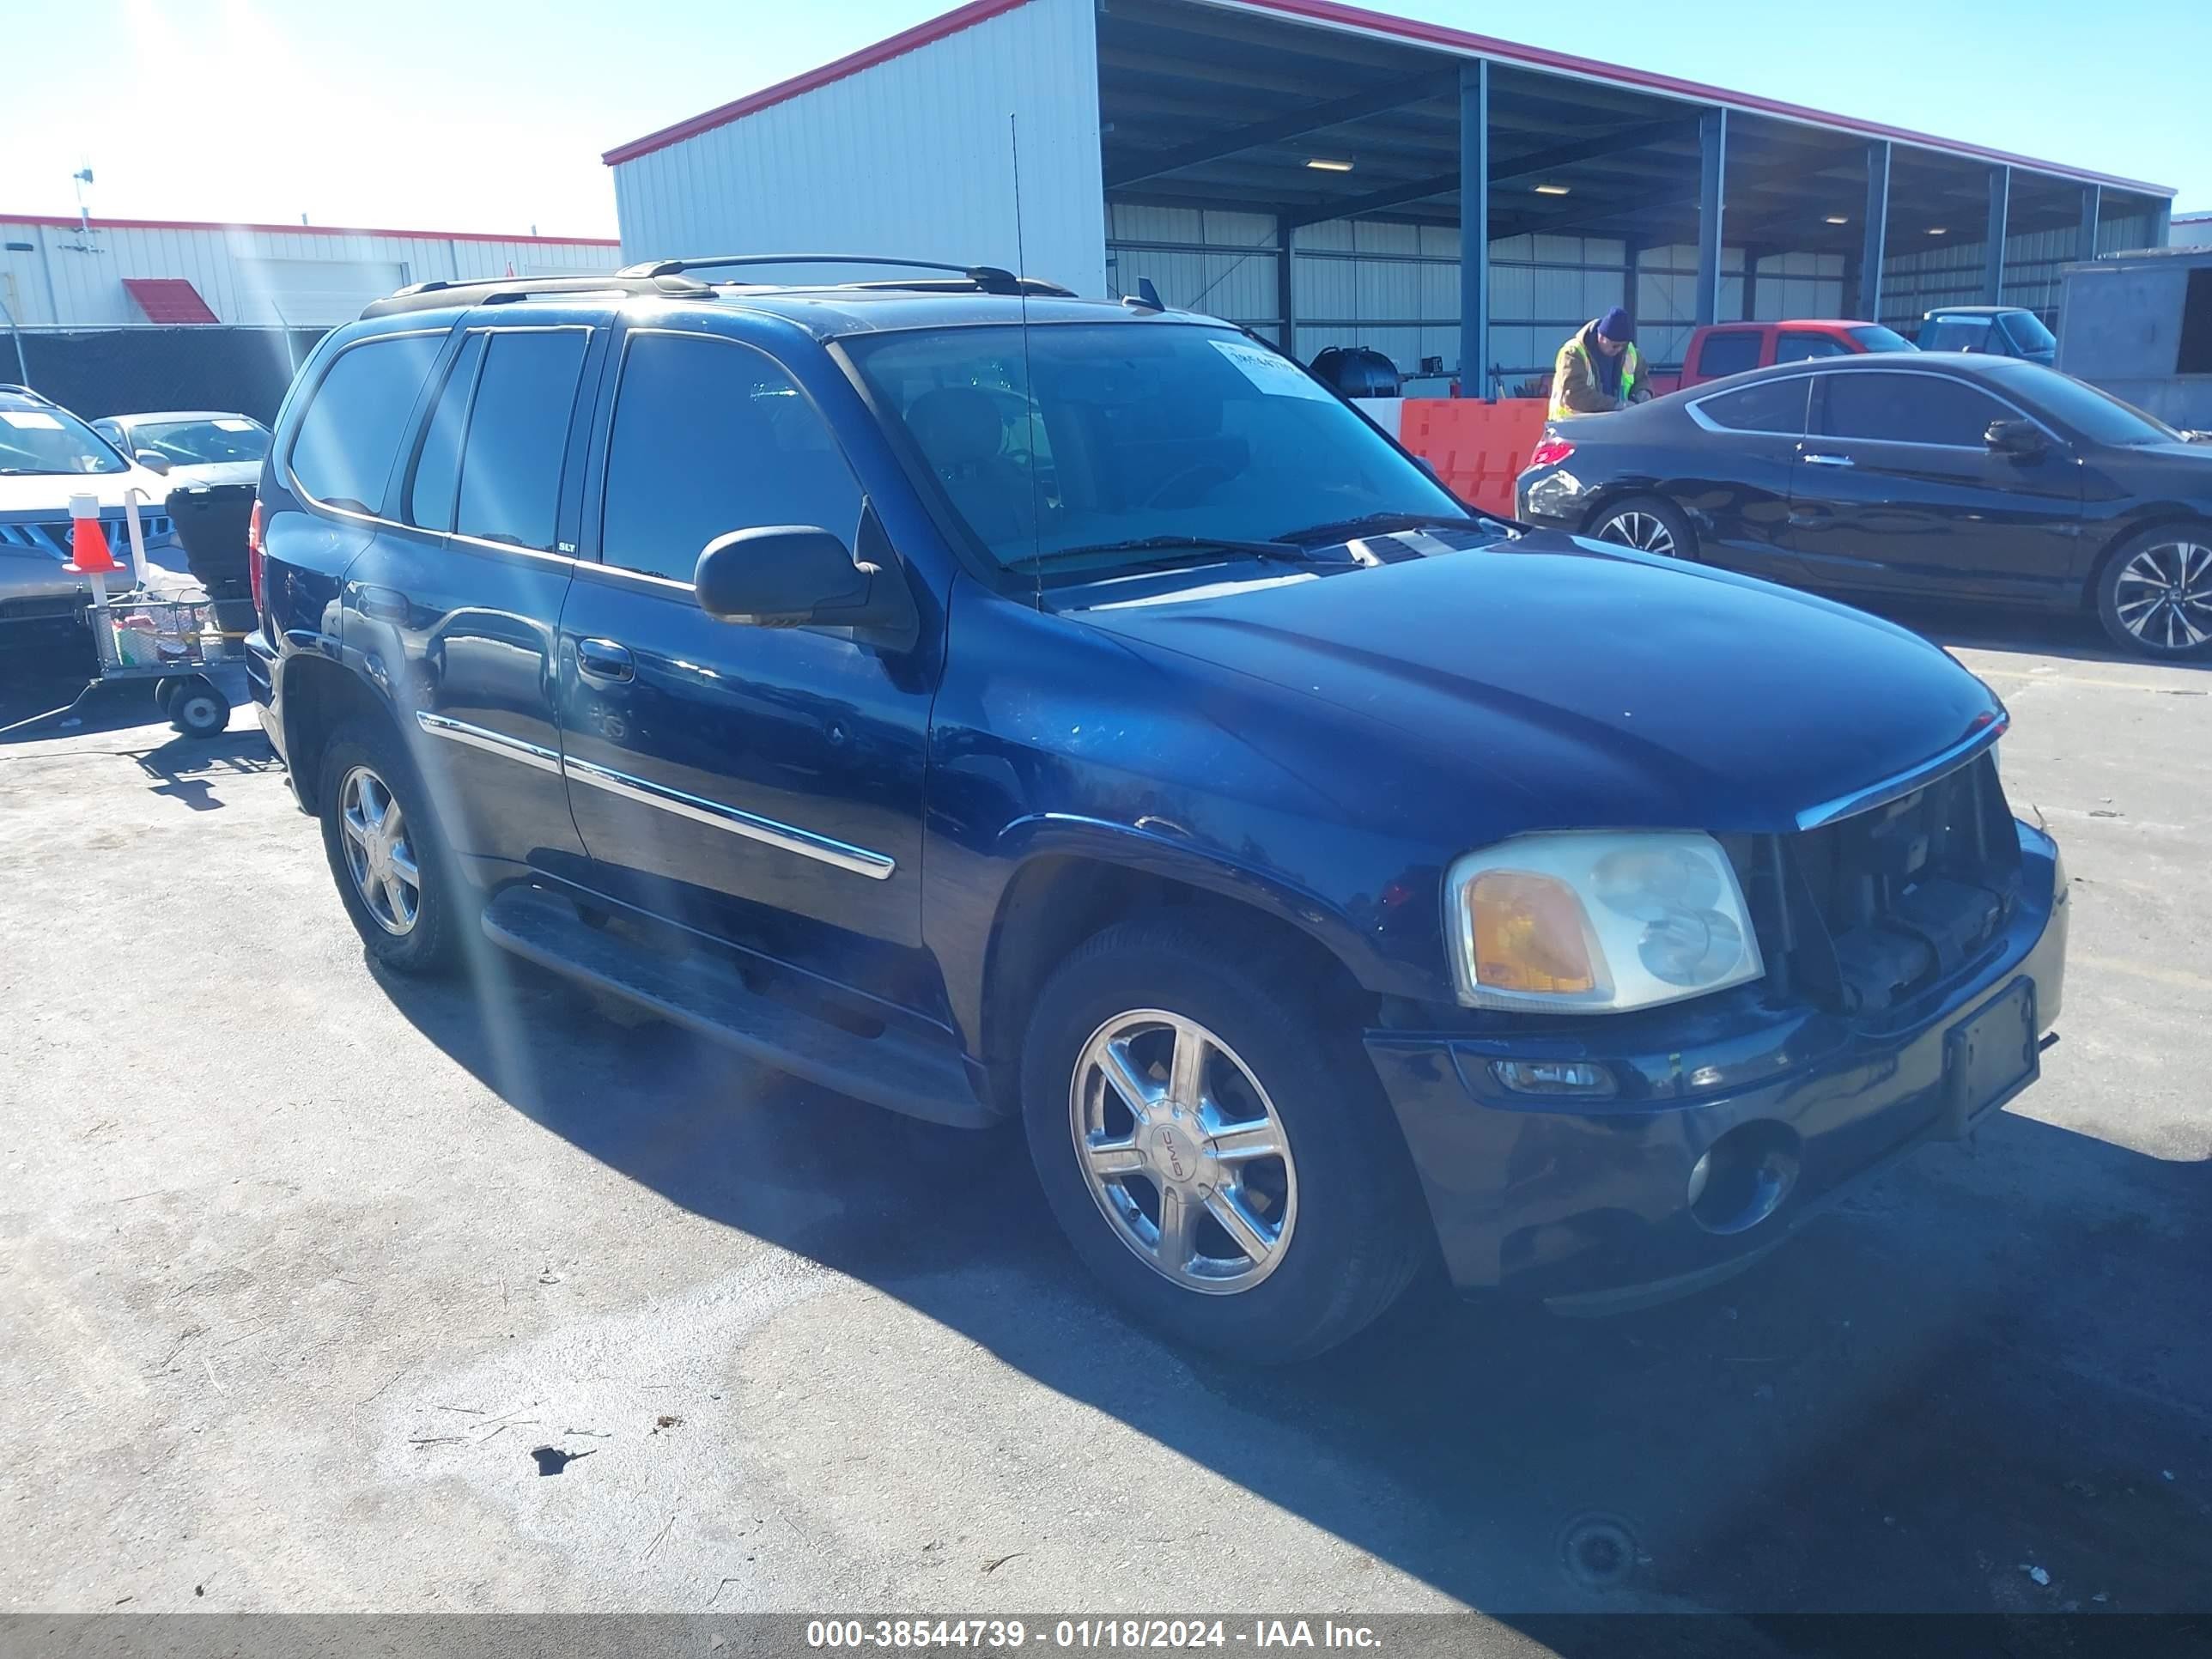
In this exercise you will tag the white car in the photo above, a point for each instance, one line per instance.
(192, 446)
(46, 456)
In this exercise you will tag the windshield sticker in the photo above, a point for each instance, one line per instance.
(30, 420)
(1276, 375)
(233, 426)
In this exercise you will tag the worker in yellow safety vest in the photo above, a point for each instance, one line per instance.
(1599, 369)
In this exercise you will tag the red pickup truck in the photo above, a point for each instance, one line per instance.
(1719, 349)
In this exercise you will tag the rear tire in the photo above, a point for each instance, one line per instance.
(1284, 1254)
(394, 873)
(1648, 524)
(2155, 590)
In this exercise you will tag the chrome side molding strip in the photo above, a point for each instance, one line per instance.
(492, 743)
(768, 831)
(789, 837)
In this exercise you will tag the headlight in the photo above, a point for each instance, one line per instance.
(1597, 923)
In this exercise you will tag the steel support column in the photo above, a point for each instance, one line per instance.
(2093, 208)
(1877, 229)
(1751, 256)
(2162, 223)
(1474, 228)
(1289, 339)
(1993, 256)
(1712, 179)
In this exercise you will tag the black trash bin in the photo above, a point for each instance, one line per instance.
(211, 522)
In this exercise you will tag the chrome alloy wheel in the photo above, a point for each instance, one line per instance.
(2164, 595)
(1640, 530)
(1183, 1151)
(379, 852)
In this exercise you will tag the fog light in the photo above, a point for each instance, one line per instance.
(1700, 1173)
(1743, 1177)
(1553, 1077)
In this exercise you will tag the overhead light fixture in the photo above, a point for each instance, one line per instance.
(1551, 190)
(1839, 219)
(1938, 230)
(1320, 165)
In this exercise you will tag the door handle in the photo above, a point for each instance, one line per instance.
(604, 662)
(1827, 460)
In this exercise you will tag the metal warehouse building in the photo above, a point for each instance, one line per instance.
(1329, 175)
(137, 273)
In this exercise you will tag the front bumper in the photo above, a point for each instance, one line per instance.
(1580, 1201)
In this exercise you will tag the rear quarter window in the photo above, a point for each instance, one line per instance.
(1727, 354)
(348, 437)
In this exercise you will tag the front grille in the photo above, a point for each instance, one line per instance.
(1865, 913)
(52, 535)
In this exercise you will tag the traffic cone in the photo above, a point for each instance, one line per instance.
(89, 548)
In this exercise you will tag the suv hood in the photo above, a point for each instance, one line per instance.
(1597, 688)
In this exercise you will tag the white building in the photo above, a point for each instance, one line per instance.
(65, 274)
(1298, 166)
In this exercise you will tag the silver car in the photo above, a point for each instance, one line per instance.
(190, 446)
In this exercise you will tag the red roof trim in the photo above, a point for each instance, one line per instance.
(921, 34)
(169, 298)
(1332, 13)
(65, 223)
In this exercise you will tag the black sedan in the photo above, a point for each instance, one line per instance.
(1945, 475)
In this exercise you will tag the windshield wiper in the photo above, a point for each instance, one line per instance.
(1378, 524)
(1284, 552)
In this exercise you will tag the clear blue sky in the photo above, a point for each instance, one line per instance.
(455, 116)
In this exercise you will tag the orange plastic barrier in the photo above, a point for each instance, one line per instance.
(1478, 449)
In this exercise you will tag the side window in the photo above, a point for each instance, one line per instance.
(438, 468)
(1914, 409)
(347, 441)
(1797, 346)
(711, 436)
(1772, 406)
(1728, 354)
(518, 436)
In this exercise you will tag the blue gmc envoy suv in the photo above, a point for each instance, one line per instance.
(998, 705)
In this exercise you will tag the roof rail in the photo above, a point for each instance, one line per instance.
(24, 391)
(504, 290)
(989, 279)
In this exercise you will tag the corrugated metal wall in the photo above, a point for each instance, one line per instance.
(1915, 283)
(909, 158)
(1395, 286)
(64, 279)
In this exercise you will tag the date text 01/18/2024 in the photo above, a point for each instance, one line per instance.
(931, 1634)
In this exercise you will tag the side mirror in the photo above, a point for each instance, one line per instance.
(2021, 439)
(153, 460)
(801, 576)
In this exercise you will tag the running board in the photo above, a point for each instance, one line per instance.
(706, 994)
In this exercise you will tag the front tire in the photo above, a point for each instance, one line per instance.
(1647, 524)
(1217, 1151)
(2155, 593)
(385, 850)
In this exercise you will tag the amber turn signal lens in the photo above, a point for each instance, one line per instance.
(1529, 934)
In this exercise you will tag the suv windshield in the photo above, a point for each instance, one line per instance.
(2028, 333)
(1087, 438)
(192, 443)
(35, 438)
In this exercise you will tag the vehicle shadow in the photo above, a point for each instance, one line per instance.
(2076, 638)
(1982, 1366)
(188, 768)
